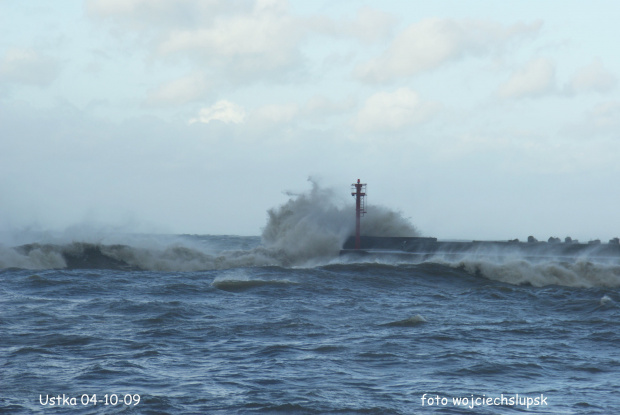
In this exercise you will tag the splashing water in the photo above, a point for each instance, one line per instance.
(313, 226)
(307, 230)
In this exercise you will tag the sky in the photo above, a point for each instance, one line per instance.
(475, 119)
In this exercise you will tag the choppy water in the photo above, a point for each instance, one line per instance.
(326, 337)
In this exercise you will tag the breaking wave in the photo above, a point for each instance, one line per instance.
(308, 230)
(581, 273)
(312, 227)
(33, 257)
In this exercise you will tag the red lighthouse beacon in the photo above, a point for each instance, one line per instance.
(360, 205)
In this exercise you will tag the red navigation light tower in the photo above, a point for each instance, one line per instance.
(360, 208)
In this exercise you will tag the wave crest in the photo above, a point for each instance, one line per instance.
(581, 273)
(307, 230)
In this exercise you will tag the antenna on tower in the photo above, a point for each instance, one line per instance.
(360, 208)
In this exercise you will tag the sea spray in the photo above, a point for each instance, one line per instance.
(36, 257)
(313, 226)
(308, 226)
(307, 230)
(543, 273)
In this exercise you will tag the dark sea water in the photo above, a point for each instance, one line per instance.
(211, 327)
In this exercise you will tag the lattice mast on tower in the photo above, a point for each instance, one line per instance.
(360, 208)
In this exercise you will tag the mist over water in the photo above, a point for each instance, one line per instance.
(308, 230)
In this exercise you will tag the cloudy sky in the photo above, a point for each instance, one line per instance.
(476, 119)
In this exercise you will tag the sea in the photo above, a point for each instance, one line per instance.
(282, 324)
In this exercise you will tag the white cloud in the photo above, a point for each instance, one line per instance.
(371, 24)
(593, 77)
(276, 113)
(180, 91)
(241, 39)
(224, 111)
(273, 114)
(244, 40)
(262, 41)
(536, 78)
(430, 43)
(393, 111)
(28, 67)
